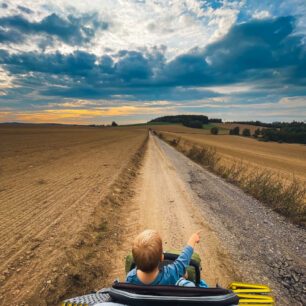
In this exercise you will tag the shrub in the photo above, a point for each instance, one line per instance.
(175, 142)
(246, 132)
(287, 132)
(256, 133)
(269, 188)
(235, 131)
(214, 130)
(204, 156)
(264, 185)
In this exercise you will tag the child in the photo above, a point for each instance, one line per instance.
(148, 253)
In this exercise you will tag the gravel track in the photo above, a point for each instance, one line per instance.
(242, 240)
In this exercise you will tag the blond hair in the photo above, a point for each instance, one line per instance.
(147, 250)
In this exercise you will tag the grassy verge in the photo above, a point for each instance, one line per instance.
(152, 123)
(264, 185)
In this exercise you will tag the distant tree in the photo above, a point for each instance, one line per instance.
(256, 133)
(235, 131)
(214, 130)
(216, 120)
(193, 124)
(246, 132)
(182, 119)
(114, 123)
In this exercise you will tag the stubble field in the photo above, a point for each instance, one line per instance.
(54, 182)
(286, 159)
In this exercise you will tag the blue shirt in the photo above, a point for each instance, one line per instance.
(169, 274)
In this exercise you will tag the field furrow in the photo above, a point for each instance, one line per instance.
(52, 181)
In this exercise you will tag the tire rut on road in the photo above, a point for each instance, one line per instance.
(242, 240)
(163, 202)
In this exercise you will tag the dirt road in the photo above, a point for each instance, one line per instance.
(242, 239)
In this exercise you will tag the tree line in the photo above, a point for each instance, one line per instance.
(192, 121)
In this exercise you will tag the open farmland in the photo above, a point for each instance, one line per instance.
(224, 128)
(180, 129)
(283, 158)
(53, 180)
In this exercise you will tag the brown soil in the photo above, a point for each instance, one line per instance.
(164, 203)
(56, 207)
(72, 200)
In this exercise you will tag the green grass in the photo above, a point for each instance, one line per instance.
(151, 123)
(210, 125)
(164, 123)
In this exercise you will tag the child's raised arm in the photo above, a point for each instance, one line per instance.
(194, 238)
(178, 268)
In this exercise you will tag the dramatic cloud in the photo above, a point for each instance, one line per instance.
(24, 9)
(72, 31)
(233, 59)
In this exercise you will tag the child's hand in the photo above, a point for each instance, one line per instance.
(195, 238)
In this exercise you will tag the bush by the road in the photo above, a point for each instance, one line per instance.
(264, 185)
(246, 132)
(205, 156)
(256, 133)
(235, 131)
(214, 130)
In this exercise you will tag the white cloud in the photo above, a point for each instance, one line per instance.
(231, 89)
(179, 25)
(292, 102)
(261, 14)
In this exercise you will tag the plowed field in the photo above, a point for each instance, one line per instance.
(53, 179)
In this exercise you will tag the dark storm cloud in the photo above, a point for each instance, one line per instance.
(76, 64)
(25, 9)
(73, 31)
(250, 51)
(4, 5)
(10, 36)
(257, 45)
(133, 66)
(256, 51)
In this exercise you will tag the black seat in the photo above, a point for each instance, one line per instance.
(131, 294)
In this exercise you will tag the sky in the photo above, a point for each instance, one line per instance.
(129, 61)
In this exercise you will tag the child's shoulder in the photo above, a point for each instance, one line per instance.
(131, 275)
